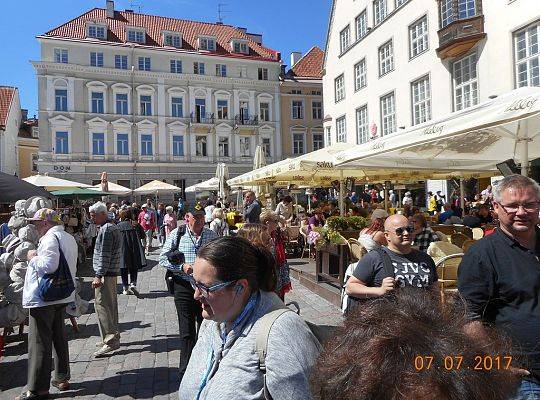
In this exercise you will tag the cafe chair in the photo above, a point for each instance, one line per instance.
(467, 244)
(447, 269)
(294, 243)
(356, 250)
(478, 233)
(458, 239)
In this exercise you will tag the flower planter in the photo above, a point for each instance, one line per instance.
(331, 263)
(350, 234)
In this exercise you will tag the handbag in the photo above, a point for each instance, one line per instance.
(57, 285)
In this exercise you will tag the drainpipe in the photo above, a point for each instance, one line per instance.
(133, 102)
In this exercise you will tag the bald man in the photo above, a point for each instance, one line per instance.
(410, 266)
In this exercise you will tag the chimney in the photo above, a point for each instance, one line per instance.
(283, 69)
(110, 9)
(295, 57)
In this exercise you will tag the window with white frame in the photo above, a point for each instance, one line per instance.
(97, 32)
(173, 40)
(240, 47)
(264, 111)
(360, 75)
(146, 105)
(61, 143)
(223, 146)
(339, 88)
(362, 129)
(360, 23)
(380, 11)
(221, 70)
(60, 100)
(122, 144)
(418, 37)
(266, 147)
(120, 61)
(399, 3)
(316, 109)
(263, 74)
(465, 79)
(223, 109)
(97, 106)
(466, 8)
(96, 59)
(386, 58)
(98, 144)
(421, 100)
(177, 107)
(447, 12)
(178, 145)
(328, 135)
(341, 130)
(297, 109)
(298, 144)
(176, 66)
(388, 114)
(245, 146)
(122, 104)
(345, 39)
(318, 141)
(198, 68)
(527, 56)
(144, 64)
(207, 44)
(146, 145)
(200, 146)
(61, 56)
(135, 35)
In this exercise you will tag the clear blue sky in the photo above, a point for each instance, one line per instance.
(286, 25)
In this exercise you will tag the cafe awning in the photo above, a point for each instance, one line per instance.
(53, 183)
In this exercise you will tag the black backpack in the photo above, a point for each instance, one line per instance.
(174, 256)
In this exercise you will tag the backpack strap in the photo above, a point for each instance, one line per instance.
(387, 262)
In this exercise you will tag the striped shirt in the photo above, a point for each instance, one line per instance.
(108, 251)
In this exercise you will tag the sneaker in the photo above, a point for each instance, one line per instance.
(106, 349)
(125, 291)
(134, 290)
(100, 344)
(60, 385)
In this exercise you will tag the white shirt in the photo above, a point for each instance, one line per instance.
(208, 210)
(45, 262)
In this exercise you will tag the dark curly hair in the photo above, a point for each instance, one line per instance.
(373, 356)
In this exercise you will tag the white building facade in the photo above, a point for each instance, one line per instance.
(10, 121)
(145, 97)
(392, 64)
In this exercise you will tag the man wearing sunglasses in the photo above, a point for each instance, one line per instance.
(410, 266)
(499, 276)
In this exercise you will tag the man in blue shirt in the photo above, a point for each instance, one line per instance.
(446, 214)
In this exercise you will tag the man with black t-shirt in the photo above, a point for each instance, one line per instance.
(499, 276)
(410, 266)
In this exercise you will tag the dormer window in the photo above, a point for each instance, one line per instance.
(207, 43)
(136, 35)
(172, 39)
(97, 31)
(240, 46)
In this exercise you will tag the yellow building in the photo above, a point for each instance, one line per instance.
(28, 147)
(302, 104)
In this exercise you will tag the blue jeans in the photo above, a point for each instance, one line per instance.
(529, 390)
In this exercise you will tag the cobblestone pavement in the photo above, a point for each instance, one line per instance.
(146, 365)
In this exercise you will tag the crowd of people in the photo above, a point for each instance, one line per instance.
(239, 340)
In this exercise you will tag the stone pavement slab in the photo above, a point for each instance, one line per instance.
(146, 366)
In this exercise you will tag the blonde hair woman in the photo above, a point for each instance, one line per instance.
(219, 224)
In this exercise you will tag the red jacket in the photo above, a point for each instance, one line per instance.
(148, 223)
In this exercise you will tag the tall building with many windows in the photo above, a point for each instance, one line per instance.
(302, 104)
(147, 97)
(392, 64)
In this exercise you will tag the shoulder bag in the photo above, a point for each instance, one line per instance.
(57, 285)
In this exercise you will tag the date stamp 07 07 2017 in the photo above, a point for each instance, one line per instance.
(457, 362)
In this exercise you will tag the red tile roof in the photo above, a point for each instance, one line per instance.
(155, 25)
(310, 65)
(6, 97)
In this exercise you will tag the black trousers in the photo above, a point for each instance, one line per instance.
(130, 273)
(47, 329)
(189, 319)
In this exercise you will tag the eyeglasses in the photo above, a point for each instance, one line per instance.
(399, 231)
(513, 208)
(206, 290)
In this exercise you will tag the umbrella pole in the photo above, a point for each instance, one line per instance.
(524, 157)
(341, 195)
(462, 194)
(386, 196)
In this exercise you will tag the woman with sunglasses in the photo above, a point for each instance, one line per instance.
(235, 281)
(372, 277)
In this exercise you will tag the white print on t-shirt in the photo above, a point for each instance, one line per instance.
(412, 274)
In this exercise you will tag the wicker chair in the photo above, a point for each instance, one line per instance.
(458, 239)
(446, 229)
(478, 233)
(447, 269)
(357, 251)
(294, 242)
(467, 244)
(307, 246)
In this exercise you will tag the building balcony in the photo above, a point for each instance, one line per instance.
(207, 118)
(463, 28)
(246, 120)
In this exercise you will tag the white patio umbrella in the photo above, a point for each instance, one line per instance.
(211, 185)
(473, 139)
(156, 188)
(222, 174)
(114, 189)
(53, 183)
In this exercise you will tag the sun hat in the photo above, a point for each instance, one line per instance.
(46, 214)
